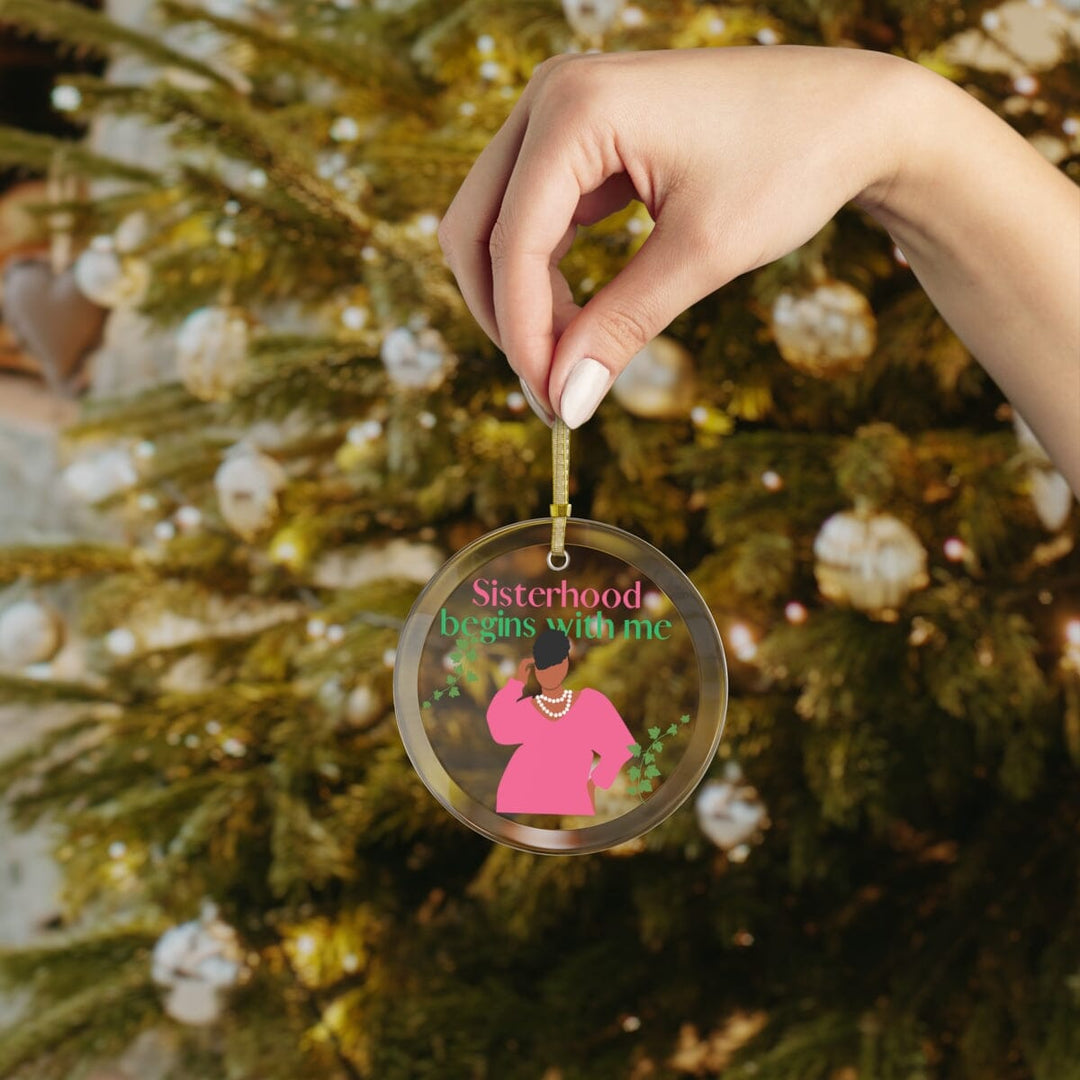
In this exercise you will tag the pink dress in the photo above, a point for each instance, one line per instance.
(550, 771)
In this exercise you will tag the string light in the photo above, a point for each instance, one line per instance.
(1027, 85)
(189, 517)
(772, 480)
(795, 613)
(120, 642)
(742, 642)
(66, 98)
(955, 549)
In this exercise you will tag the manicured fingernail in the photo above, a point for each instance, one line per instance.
(584, 390)
(535, 405)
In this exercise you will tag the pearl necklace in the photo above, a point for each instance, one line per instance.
(567, 695)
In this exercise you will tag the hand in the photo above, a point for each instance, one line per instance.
(523, 669)
(740, 155)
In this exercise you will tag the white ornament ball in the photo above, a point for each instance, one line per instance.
(729, 813)
(658, 383)
(196, 962)
(66, 98)
(363, 706)
(592, 18)
(30, 633)
(247, 485)
(121, 641)
(106, 473)
(193, 1002)
(826, 332)
(110, 279)
(211, 351)
(871, 562)
(415, 360)
(132, 232)
(1050, 491)
(1052, 496)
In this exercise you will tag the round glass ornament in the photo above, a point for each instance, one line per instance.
(563, 703)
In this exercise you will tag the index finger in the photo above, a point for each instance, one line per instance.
(550, 178)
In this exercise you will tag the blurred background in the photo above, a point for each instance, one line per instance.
(245, 415)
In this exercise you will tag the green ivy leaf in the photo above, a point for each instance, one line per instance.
(673, 730)
(635, 749)
(685, 718)
(634, 772)
(649, 757)
(631, 789)
(450, 680)
(652, 771)
(646, 785)
(657, 746)
(438, 694)
(654, 733)
(471, 677)
(462, 643)
(455, 656)
(455, 691)
(426, 705)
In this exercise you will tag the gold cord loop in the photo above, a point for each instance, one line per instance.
(558, 558)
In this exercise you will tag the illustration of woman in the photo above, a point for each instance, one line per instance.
(560, 731)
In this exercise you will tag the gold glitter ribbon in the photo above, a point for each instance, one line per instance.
(558, 557)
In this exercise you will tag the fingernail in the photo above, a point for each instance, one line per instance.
(535, 405)
(584, 390)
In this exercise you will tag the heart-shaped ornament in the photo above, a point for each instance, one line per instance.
(51, 319)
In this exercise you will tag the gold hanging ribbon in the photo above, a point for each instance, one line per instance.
(558, 557)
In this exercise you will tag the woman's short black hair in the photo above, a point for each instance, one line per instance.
(550, 648)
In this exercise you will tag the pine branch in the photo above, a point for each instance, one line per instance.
(40, 152)
(375, 67)
(102, 1017)
(92, 31)
(235, 125)
(56, 562)
(48, 691)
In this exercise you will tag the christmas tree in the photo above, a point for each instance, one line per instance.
(878, 879)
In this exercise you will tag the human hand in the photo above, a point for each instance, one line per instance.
(523, 669)
(740, 155)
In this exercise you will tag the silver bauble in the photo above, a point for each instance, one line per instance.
(196, 962)
(1050, 491)
(592, 18)
(363, 706)
(110, 279)
(247, 485)
(1052, 496)
(825, 332)
(211, 351)
(729, 813)
(30, 633)
(105, 473)
(415, 360)
(658, 383)
(870, 561)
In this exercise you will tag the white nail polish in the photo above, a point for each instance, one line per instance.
(535, 405)
(584, 390)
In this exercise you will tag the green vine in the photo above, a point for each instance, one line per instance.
(466, 650)
(643, 774)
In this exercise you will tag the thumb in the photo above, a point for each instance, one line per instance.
(671, 271)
